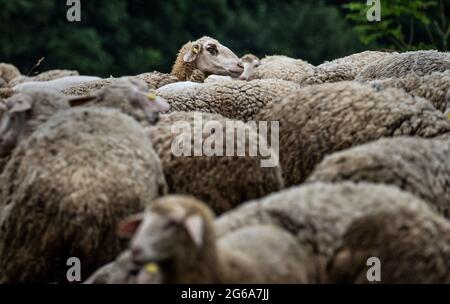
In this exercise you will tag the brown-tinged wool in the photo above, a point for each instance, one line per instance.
(187, 71)
(256, 254)
(154, 80)
(399, 65)
(233, 99)
(321, 119)
(6, 92)
(346, 68)
(67, 186)
(432, 87)
(8, 72)
(420, 166)
(318, 214)
(221, 181)
(285, 68)
(413, 248)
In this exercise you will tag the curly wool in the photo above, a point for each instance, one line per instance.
(220, 181)
(285, 68)
(154, 80)
(432, 87)
(67, 186)
(412, 248)
(8, 72)
(233, 99)
(346, 68)
(321, 119)
(419, 166)
(399, 65)
(318, 214)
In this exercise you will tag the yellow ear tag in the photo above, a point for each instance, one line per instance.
(448, 115)
(151, 96)
(196, 49)
(151, 268)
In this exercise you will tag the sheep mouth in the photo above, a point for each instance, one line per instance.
(235, 73)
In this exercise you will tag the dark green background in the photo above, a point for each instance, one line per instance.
(120, 37)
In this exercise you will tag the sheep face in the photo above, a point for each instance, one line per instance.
(211, 57)
(12, 124)
(135, 91)
(163, 233)
(251, 62)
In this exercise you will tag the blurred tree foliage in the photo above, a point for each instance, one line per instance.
(405, 25)
(124, 37)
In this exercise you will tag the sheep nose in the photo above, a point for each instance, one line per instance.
(136, 252)
(240, 65)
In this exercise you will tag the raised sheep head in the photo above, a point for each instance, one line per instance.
(211, 57)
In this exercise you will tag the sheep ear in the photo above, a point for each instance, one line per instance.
(128, 226)
(191, 55)
(195, 229)
(79, 101)
(21, 103)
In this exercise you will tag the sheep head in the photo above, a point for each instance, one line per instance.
(251, 62)
(170, 227)
(210, 57)
(12, 123)
(133, 90)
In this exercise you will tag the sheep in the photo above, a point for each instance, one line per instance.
(232, 99)
(195, 61)
(221, 181)
(346, 68)
(177, 233)
(285, 68)
(57, 84)
(27, 110)
(321, 119)
(412, 247)
(8, 72)
(131, 96)
(206, 56)
(399, 65)
(44, 76)
(417, 165)
(66, 187)
(22, 114)
(432, 87)
(154, 80)
(249, 61)
(318, 214)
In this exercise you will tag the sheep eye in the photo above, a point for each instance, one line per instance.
(170, 224)
(213, 50)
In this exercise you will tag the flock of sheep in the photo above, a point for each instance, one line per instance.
(87, 171)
